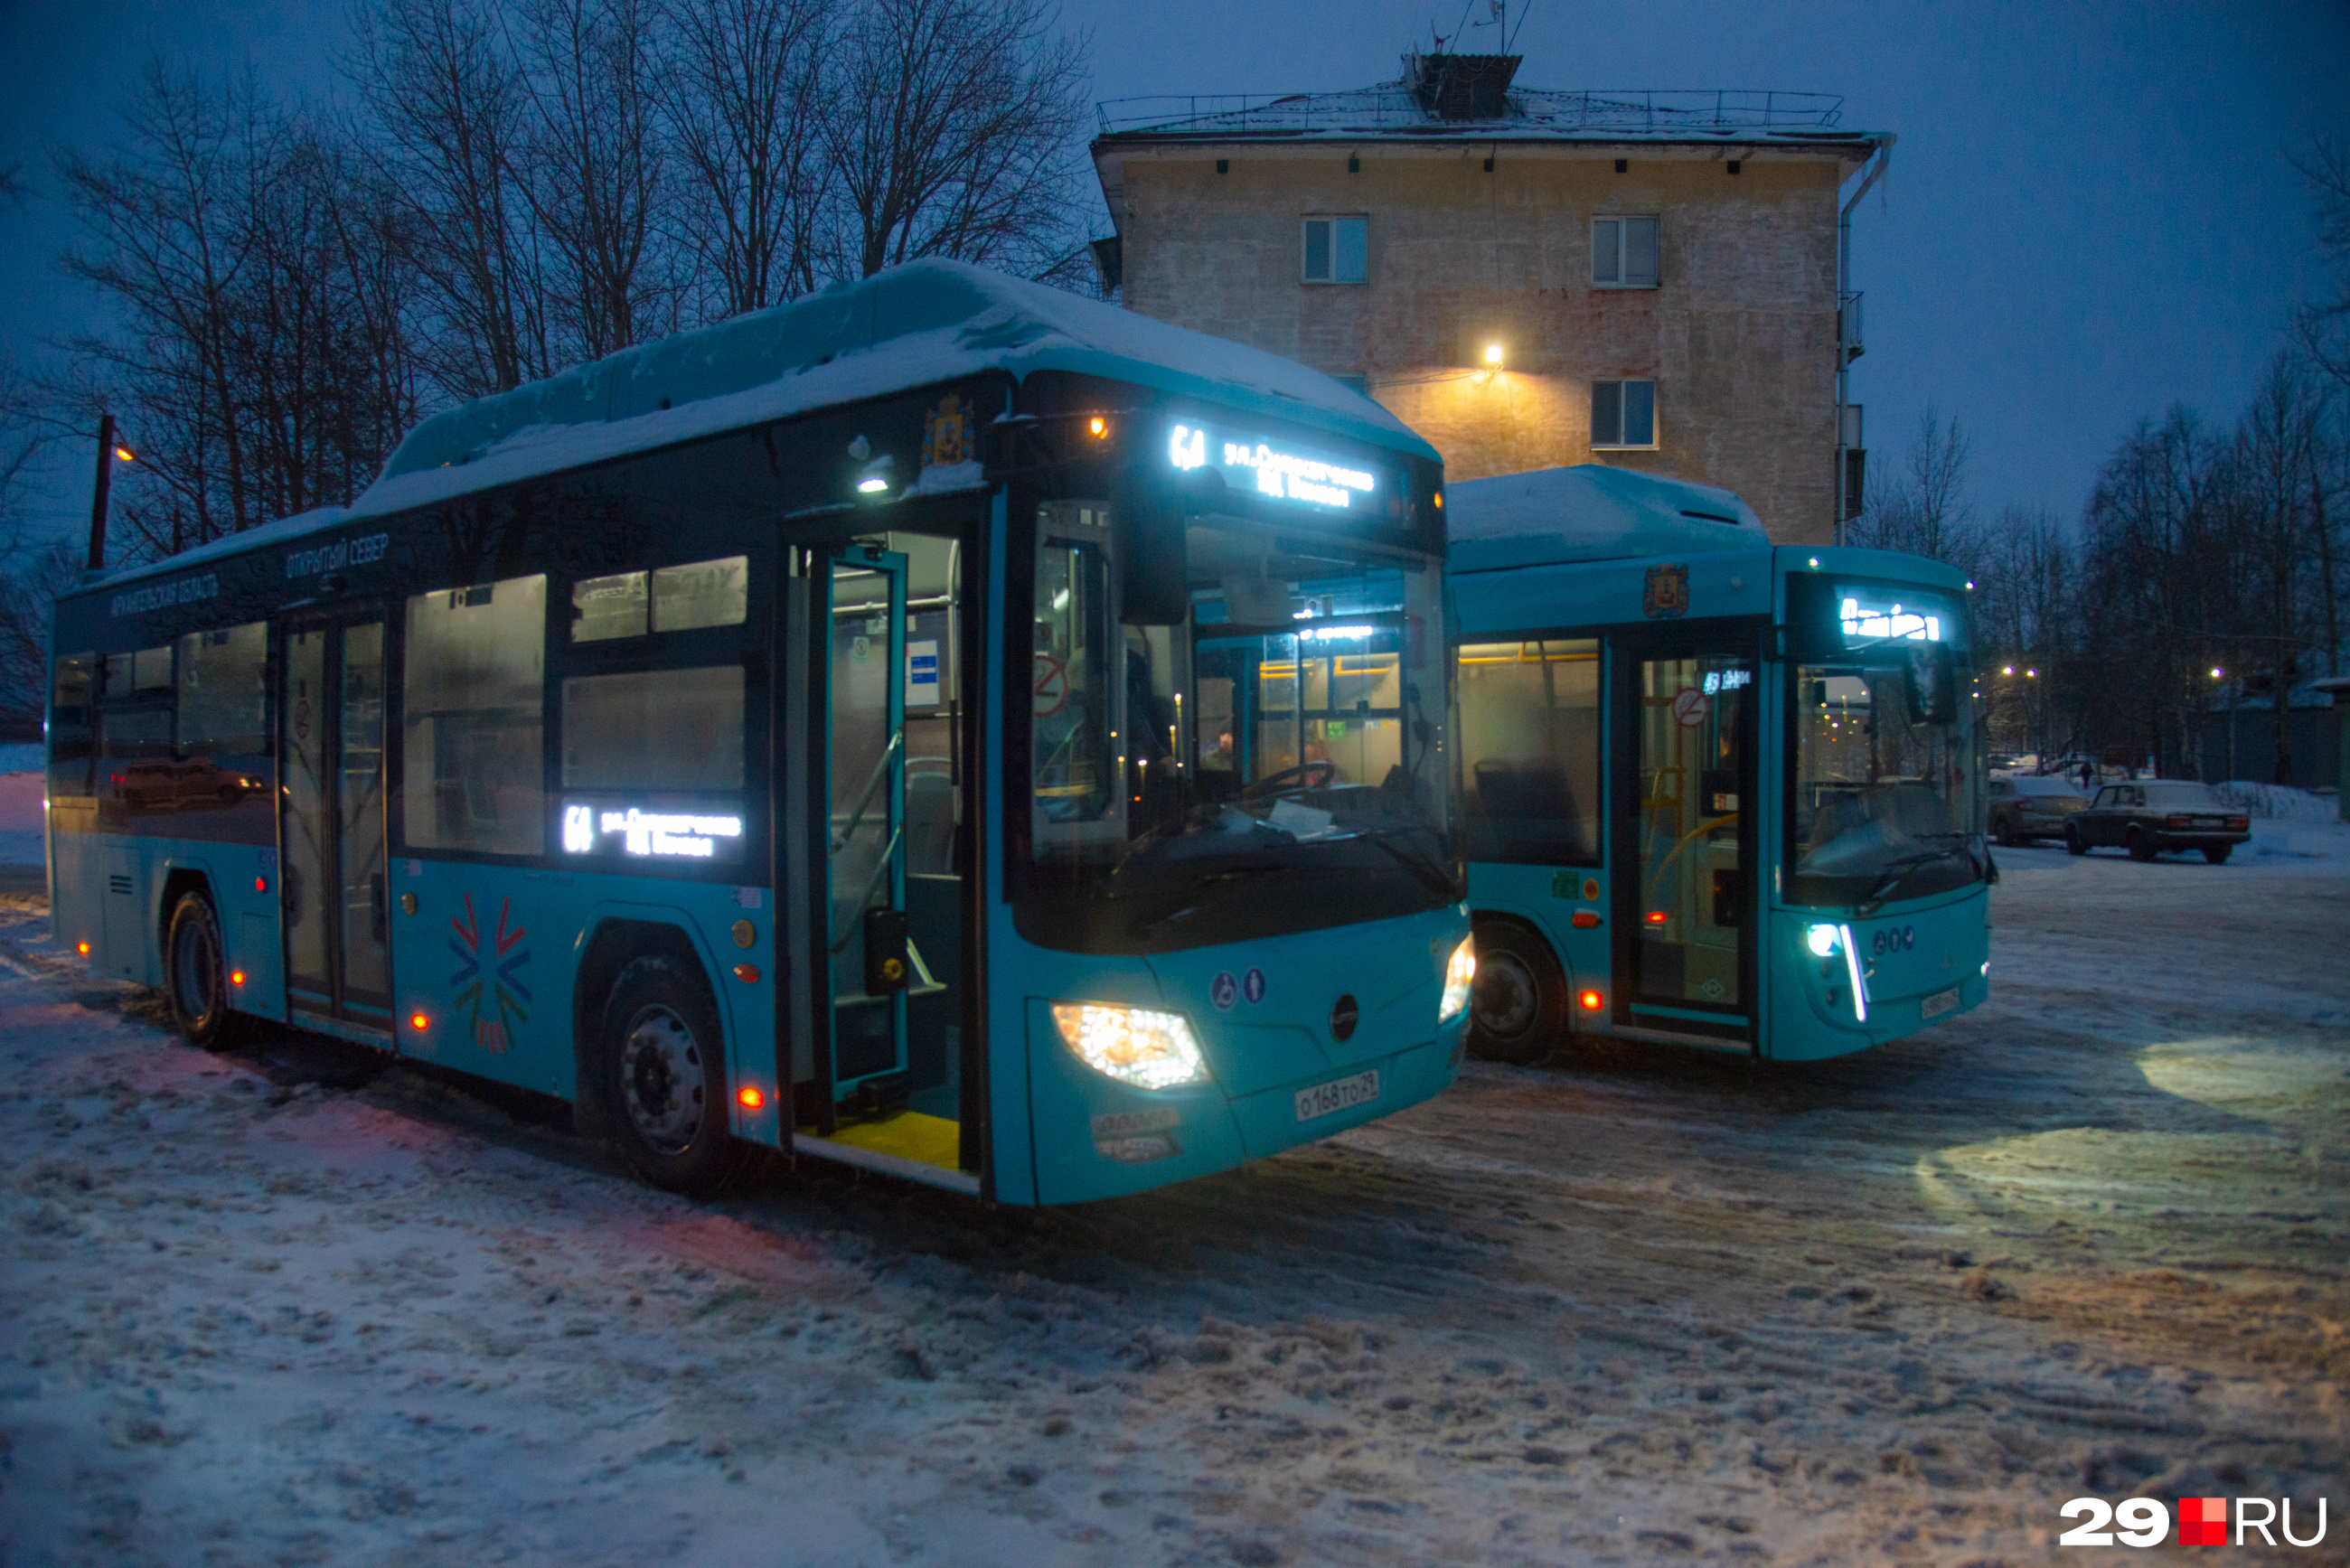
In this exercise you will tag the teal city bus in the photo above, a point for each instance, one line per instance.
(940, 725)
(1713, 793)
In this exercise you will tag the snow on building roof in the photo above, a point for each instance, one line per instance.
(1393, 110)
(1590, 512)
(907, 326)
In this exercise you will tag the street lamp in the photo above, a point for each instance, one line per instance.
(109, 453)
(1494, 355)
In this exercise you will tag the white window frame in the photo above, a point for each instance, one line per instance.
(1333, 220)
(1656, 418)
(1618, 240)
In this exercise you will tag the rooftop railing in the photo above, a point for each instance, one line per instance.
(1391, 107)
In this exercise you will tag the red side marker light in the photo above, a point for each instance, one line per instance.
(1656, 916)
(1591, 1001)
(260, 884)
(416, 1021)
(751, 1099)
(236, 977)
(748, 973)
(1584, 919)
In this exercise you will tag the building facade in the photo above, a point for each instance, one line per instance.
(1526, 278)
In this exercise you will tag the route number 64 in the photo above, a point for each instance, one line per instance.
(2143, 1521)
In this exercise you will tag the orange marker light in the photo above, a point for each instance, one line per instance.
(236, 977)
(1584, 919)
(1591, 1001)
(748, 973)
(1098, 428)
(82, 948)
(751, 1099)
(1656, 916)
(416, 1021)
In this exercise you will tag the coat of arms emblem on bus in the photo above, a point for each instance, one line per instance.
(498, 975)
(1667, 594)
(947, 437)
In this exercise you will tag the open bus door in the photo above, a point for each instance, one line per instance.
(332, 874)
(1687, 903)
(868, 966)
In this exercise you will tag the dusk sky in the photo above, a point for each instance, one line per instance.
(2090, 213)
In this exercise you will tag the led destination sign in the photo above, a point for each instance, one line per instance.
(1269, 469)
(673, 836)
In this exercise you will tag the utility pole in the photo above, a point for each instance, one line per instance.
(97, 499)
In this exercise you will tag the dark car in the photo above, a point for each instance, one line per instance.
(2032, 808)
(2149, 818)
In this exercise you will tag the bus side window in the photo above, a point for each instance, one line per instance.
(473, 770)
(224, 746)
(134, 733)
(72, 726)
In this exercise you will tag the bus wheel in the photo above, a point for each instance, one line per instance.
(196, 974)
(664, 1072)
(1518, 1003)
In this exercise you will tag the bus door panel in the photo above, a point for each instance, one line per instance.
(332, 877)
(870, 964)
(1685, 893)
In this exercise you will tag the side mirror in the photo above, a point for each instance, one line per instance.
(1930, 682)
(1146, 529)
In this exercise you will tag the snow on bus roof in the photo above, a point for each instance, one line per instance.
(1589, 513)
(907, 326)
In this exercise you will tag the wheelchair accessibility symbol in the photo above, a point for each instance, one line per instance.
(1223, 991)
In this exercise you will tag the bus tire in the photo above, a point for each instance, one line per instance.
(1517, 1006)
(663, 1061)
(195, 973)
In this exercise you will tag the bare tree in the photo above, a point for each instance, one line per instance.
(2323, 325)
(1924, 509)
(951, 129)
(742, 96)
(449, 117)
(594, 174)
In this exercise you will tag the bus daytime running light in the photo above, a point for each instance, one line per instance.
(1459, 972)
(872, 484)
(1821, 939)
(1149, 1050)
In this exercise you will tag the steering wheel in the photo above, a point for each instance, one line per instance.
(1313, 775)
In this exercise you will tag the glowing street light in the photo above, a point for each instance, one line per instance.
(1494, 355)
(2215, 673)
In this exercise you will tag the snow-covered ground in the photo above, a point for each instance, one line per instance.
(1635, 1307)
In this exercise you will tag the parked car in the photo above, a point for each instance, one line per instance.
(2160, 814)
(2029, 806)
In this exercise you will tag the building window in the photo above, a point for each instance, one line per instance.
(1623, 414)
(1623, 253)
(1338, 250)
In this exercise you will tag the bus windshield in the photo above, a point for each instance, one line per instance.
(1886, 793)
(1271, 762)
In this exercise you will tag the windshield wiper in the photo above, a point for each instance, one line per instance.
(1203, 890)
(1891, 876)
(1430, 872)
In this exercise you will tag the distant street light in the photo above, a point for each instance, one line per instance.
(2215, 673)
(1494, 355)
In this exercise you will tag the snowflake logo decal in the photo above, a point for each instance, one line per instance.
(496, 975)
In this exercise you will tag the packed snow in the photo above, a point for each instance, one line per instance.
(290, 1304)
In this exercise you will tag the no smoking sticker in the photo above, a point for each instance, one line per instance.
(1690, 706)
(1051, 686)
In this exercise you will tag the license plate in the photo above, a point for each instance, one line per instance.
(2207, 822)
(1340, 1094)
(1941, 1002)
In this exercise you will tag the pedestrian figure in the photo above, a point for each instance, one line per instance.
(2085, 773)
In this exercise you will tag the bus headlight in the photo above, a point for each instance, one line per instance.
(1821, 940)
(1458, 974)
(1149, 1050)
